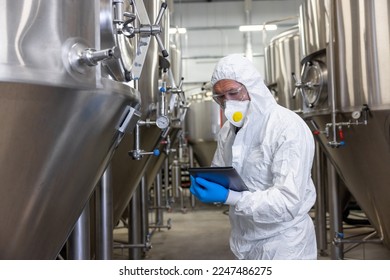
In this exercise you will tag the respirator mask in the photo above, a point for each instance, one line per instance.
(236, 111)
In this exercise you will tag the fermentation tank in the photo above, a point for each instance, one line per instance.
(345, 88)
(127, 172)
(282, 61)
(204, 120)
(60, 120)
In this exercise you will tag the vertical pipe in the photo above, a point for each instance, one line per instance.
(176, 177)
(158, 200)
(144, 212)
(334, 212)
(168, 191)
(137, 137)
(79, 241)
(182, 207)
(134, 232)
(334, 200)
(331, 66)
(106, 224)
(191, 155)
(320, 216)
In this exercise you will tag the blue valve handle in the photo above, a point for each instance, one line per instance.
(208, 192)
(156, 152)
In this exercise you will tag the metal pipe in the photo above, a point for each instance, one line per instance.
(144, 212)
(163, 110)
(330, 57)
(359, 241)
(132, 246)
(191, 156)
(362, 241)
(134, 232)
(336, 228)
(176, 176)
(168, 191)
(137, 136)
(106, 224)
(168, 226)
(182, 207)
(78, 245)
(320, 213)
(158, 200)
(118, 11)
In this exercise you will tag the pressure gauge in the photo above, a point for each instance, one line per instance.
(356, 115)
(162, 122)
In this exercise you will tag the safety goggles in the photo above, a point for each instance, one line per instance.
(234, 94)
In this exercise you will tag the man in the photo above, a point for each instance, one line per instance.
(272, 149)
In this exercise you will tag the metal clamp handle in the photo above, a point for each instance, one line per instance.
(146, 30)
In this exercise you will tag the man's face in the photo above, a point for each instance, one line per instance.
(229, 90)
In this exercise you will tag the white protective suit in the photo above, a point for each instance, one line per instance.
(273, 152)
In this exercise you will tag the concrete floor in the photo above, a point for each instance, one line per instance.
(202, 233)
(199, 234)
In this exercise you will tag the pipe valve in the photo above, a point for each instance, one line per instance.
(358, 118)
(138, 154)
(91, 57)
(79, 55)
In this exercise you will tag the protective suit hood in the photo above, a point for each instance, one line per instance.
(238, 68)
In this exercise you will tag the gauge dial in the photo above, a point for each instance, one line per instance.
(162, 122)
(356, 115)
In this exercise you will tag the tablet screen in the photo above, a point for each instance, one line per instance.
(225, 176)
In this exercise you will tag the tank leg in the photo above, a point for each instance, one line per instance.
(320, 208)
(336, 227)
(135, 226)
(105, 224)
(78, 245)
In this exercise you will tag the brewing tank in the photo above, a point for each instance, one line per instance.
(127, 172)
(203, 122)
(59, 118)
(346, 96)
(282, 61)
(314, 26)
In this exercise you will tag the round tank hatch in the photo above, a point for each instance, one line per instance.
(125, 47)
(314, 89)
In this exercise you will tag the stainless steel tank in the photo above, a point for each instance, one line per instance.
(203, 122)
(128, 172)
(359, 64)
(282, 61)
(314, 26)
(59, 120)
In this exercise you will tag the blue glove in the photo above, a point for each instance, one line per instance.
(208, 192)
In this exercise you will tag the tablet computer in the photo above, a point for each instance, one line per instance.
(225, 176)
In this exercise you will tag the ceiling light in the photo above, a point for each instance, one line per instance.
(174, 30)
(245, 28)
